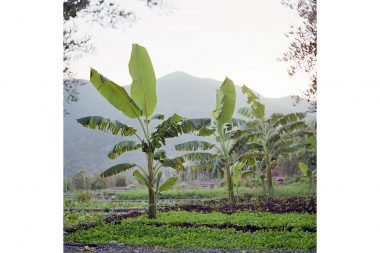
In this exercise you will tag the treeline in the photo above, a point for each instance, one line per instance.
(83, 181)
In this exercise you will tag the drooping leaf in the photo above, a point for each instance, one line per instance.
(194, 145)
(117, 169)
(251, 96)
(169, 128)
(206, 131)
(159, 155)
(246, 112)
(143, 88)
(225, 102)
(257, 108)
(219, 164)
(107, 125)
(291, 117)
(291, 126)
(237, 166)
(175, 163)
(140, 178)
(238, 122)
(115, 94)
(303, 168)
(313, 142)
(247, 173)
(122, 147)
(167, 184)
(158, 116)
(273, 137)
(200, 126)
(199, 156)
(201, 166)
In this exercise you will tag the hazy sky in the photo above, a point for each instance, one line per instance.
(241, 39)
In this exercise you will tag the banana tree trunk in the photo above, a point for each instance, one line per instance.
(269, 174)
(152, 211)
(310, 183)
(230, 186)
(263, 183)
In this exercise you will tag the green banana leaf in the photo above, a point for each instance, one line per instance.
(115, 94)
(143, 88)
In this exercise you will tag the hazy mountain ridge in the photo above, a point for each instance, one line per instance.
(177, 92)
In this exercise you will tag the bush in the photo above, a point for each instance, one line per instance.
(84, 196)
(120, 181)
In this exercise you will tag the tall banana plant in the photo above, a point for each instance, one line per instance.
(268, 137)
(217, 156)
(140, 106)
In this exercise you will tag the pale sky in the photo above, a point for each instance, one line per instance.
(241, 39)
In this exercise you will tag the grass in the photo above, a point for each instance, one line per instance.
(105, 205)
(295, 189)
(130, 232)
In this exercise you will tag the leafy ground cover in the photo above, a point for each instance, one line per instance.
(135, 233)
(258, 220)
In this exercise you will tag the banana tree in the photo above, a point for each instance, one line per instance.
(218, 156)
(140, 106)
(268, 137)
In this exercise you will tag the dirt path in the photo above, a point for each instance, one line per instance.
(122, 248)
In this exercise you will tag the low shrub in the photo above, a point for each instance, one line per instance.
(84, 196)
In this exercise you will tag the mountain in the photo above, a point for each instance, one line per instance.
(177, 92)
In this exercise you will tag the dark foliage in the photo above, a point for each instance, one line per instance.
(250, 203)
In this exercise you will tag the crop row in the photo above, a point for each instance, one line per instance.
(255, 220)
(301, 204)
(133, 233)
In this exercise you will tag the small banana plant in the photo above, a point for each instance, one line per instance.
(307, 174)
(218, 155)
(268, 137)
